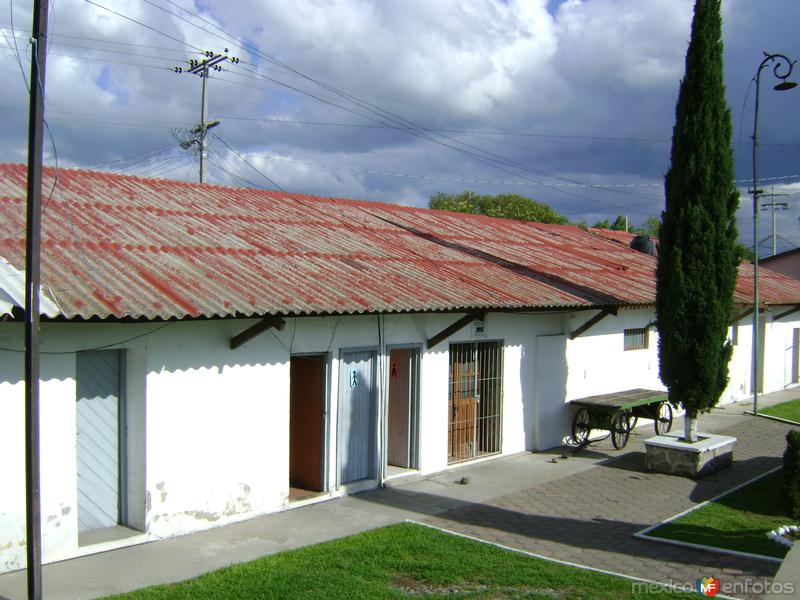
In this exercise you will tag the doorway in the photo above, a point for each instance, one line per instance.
(100, 443)
(357, 423)
(307, 426)
(475, 403)
(402, 417)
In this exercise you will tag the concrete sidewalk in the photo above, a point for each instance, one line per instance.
(510, 500)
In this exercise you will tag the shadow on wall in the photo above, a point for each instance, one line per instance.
(173, 346)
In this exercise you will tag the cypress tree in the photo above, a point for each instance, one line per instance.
(697, 238)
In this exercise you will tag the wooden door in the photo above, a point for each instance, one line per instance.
(306, 422)
(356, 427)
(400, 408)
(98, 410)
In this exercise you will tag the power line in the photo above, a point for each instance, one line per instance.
(476, 153)
(145, 25)
(247, 162)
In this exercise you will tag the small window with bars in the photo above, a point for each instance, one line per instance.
(636, 339)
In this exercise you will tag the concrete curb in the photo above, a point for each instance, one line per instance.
(642, 533)
(665, 586)
(773, 418)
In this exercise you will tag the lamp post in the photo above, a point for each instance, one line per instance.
(782, 68)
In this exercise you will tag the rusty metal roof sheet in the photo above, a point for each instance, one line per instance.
(122, 246)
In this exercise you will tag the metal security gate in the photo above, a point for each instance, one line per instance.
(98, 412)
(476, 390)
(356, 425)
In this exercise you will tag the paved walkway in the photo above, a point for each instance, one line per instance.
(583, 509)
(589, 518)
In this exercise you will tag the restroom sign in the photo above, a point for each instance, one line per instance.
(354, 378)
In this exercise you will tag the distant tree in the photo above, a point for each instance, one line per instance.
(650, 227)
(510, 206)
(619, 224)
(697, 256)
(744, 253)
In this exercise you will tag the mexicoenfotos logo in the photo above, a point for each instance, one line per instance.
(708, 586)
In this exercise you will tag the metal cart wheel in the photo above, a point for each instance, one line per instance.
(580, 427)
(663, 420)
(621, 428)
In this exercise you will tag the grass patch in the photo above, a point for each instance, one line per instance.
(739, 521)
(785, 410)
(399, 561)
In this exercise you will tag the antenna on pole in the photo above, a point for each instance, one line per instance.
(197, 136)
(774, 206)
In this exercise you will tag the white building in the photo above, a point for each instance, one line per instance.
(211, 354)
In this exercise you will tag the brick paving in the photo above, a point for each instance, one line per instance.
(589, 518)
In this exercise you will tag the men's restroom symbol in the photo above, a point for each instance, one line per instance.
(394, 370)
(353, 378)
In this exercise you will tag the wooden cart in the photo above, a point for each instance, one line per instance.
(618, 413)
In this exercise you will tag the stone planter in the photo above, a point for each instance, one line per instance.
(669, 454)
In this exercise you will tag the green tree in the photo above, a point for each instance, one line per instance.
(650, 227)
(510, 206)
(619, 224)
(697, 238)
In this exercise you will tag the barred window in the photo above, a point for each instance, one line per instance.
(636, 339)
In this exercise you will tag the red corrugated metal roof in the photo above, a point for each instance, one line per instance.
(116, 245)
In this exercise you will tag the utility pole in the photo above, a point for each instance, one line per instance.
(774, 206)
(33, 246)
(199, 134)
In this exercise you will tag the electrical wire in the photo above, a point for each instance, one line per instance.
(230, 170)
(145, 25)
(374, 112)
(104, 347)
(247, 162)
(474, 152)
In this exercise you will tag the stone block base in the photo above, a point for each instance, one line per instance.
(668, 454)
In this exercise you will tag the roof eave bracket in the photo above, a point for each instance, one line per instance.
(786, 313)
(741, 316)
(254, 330)
(457, 326)
(593, 321)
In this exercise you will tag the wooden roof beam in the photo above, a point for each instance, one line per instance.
(457, 326)
(786, 313)
(254, 330)
(592, 322)
(741, 316)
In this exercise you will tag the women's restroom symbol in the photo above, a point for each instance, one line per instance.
(394, 370)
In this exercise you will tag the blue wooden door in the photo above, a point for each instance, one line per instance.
(98, 438)
(356, 425)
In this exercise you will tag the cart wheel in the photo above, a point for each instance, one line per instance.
(621, 429)
(580, 427)
(663, 422)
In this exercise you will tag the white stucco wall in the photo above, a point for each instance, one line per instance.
(208, 427)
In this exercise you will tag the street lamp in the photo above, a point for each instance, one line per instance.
(781, 69)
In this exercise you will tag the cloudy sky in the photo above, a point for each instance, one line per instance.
(570, 102)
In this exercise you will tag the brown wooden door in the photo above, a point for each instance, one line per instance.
(306, 422)
(399, 408)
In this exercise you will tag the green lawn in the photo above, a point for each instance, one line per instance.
(785, 410)
(400, 561)
(738, 521)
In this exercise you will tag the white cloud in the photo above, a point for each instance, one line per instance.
(591, 69)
